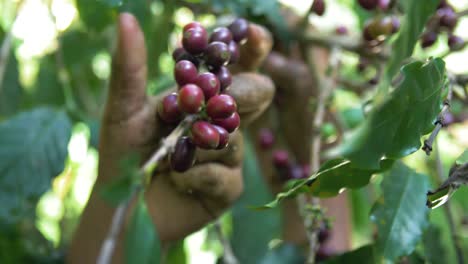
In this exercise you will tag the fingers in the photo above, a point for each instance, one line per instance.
(253, 94)
(127, 94)
(254, 51)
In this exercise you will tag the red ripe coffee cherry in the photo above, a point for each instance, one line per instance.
(222, 34)
(193, 24)
(190, 98)
(428, 39)
(185, 72)
(239, 29)
(384, 5)
(183, 156)
(224, 77)
(169, 110)
(195, 40)
(209, 84)
(230, 123)
(204, 135)
(368, 4)
(266, 139)
(221, 106)
(235, 52)
(455, 43)
(281, 159)
(217, 54)
(318, 7)
(223, 137)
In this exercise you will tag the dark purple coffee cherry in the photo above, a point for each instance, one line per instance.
(318, 7)
(447, 17)
(190, 98)
(217, 54)
(169, 110)
(195, 40)
(224, 77)
(281, 159)
(204, 135)
(455, 43)
(323, 253)
(428, 39)
(266, 139)
(209, 84)
(221, 106)
(183, 156)
(442, 4)
(374, 80)
(230, 123)
(185, 72)
(222, 34)
(323, 234)
(193, 24)
(180, 54)
(368, 4)
(235, 52)
(341, 30)
(177, 53)
(223, 137)
(239, 29)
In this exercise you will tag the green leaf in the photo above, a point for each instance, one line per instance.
(10, 90)
(333, 176)
(142, 244)
(95, 14)
(394, 128)
(463, 158)
(176, 253)
(433, 248)
(33, 149)
(47, 89)
(286, 253)
(247, 223)
(362, 255)
(400, 213)
(121, 189)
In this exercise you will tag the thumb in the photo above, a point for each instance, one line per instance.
(127, 91)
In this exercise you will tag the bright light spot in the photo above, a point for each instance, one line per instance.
(166, 64)
(157, 8)
(64, 13)
(78, 146)
(183, 16)
(299, 6)
(49, 211)
(85, 178)
(193, 247)
(35, 28)
(335, 15)
(101, 65)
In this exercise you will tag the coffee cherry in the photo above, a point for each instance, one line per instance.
(183, 156)
(395, 24)
(169, 110)
(195, 40)
(204, 135)
(223, 137)
(455, 43)
(190, 98)
(239, 29)
(306, 171)
(177, 53)
(378, 29)
(217, 54)
(193, 24)
(235, 52)
(230, 123)
(368, 4)
(384, 5)
(224, 77)
(221, 106)
(185, 72)
(295, 172)
(180, 54)
(428, 39)
(447, 17)
(323, 253)
(341, 30)
(318, 7)
(324, 234)
(266, 139)
(281, 158)
(209, 84)
(222, 34)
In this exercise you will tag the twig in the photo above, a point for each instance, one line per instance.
(4, 56)
(448, 211)
(228, 256)
(462, 13)
(427, 147)
(167, 145)
(327, 85)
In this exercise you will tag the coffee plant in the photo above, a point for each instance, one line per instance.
(266, 131)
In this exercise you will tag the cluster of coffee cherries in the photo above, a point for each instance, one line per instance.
(444, 20)
(202, 77)
(286, 168)
(378, 28)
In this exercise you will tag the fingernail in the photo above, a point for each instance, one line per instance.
(126, 24)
